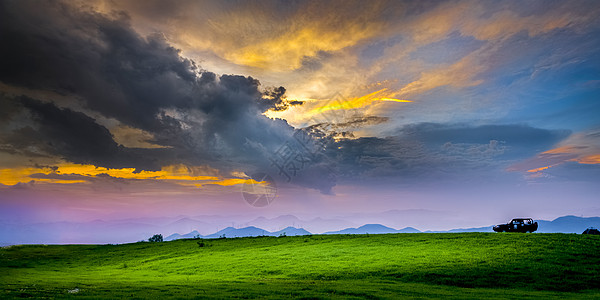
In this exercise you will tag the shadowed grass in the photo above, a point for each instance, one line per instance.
(461, 265)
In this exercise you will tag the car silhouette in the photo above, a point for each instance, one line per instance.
(517, 225)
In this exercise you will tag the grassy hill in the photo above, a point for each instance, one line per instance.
(420, 265)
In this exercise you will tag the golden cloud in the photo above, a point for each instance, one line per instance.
(459, 74)
(590, 159)
(287, 51)
(63, 173)
(357, 102)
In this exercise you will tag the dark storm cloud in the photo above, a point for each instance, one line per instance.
(276, 100)
(72, 134)
(199, 117)
(429, 150)
(75, 137)
(513, 134)
(342, 129)
(51, 46)
(371, 156)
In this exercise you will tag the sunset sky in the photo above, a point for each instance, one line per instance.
(480, 110)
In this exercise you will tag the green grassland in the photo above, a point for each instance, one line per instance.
(390, 266)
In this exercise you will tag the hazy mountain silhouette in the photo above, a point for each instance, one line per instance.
(176, 236)
(568, 224)
(291, 231)
(416, 218)
(313, 225)
(231, 232)
(373, 229)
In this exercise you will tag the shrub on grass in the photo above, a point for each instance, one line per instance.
(156, 238)
(202, 244)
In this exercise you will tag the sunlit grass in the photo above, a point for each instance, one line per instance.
(464, 265)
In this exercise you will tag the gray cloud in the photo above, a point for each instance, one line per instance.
(441, 151)
(199, 117)
(276, 100)
(521, 140)
(76, 137)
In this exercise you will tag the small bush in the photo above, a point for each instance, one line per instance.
(156, 238)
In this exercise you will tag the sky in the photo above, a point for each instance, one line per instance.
(479, 110)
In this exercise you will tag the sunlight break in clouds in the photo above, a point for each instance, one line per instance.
(358, 102)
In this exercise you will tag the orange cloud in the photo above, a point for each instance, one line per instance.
(459, 74)
(562, 150)
(234, 181)
(286, 52)
(583, 148)
(590, 159)
(13, 176)
(178, 174)
(538, 169)
(584, 154)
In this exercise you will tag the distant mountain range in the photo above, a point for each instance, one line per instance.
(133, 230)
(566, 224)
(231, 232)
(373, 229)
(312, 225)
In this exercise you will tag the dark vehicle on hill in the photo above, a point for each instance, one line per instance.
(592, 230)
(517, 225)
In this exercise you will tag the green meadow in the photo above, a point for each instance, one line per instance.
(389, 266)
